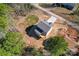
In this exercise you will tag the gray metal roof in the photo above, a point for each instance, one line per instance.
(45, 25)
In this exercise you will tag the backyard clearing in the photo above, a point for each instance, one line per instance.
(21, 25)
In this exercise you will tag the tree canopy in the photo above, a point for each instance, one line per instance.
(12, 44)
(4, 9)
(56, 45)
(4, 19)
(3, 22)
(3, 15)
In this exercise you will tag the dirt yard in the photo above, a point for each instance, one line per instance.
(69, 33)
(21, 25)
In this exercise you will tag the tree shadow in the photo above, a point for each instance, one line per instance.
(32, 51)
(27, 51)
(45, 43)
(30, 32)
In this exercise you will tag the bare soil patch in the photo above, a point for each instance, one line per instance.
(21, 25)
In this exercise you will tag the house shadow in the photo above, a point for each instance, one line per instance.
(30, 31)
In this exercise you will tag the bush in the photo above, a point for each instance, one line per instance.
(32, 19)
(56, 45)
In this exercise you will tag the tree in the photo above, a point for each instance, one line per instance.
(21, 9)
(56, 45)
(4, 19)
(4, 9)
(12, 44)
(3, 52)
(3, 22)
(3, 26)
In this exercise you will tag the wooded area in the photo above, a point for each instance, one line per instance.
(12, 42)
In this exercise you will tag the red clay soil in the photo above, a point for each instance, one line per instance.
(21, 25)
(70, 35)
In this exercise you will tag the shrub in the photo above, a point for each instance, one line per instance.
(32, 19)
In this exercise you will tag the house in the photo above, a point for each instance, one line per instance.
(44, 27)
(69, 6)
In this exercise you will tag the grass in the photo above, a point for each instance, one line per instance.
(32, 19)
